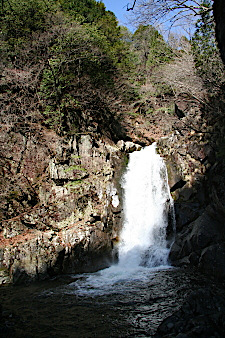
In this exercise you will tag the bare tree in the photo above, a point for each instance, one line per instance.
(132, 7)
(181, 75)
(173, 11)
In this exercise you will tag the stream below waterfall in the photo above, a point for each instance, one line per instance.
(128, 299)
(61, 308)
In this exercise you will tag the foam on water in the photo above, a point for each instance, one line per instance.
(143, 247)
(147, 202)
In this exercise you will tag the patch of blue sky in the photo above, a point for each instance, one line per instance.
(119, 8)
(184, 26)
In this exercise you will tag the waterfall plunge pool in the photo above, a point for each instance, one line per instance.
(82, 306)
(129, 299)
(143, 247)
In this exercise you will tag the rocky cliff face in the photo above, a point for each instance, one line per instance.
(197, 186)
(60, 203)
(61, 206)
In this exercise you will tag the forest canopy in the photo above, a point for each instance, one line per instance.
(69, 63)
(69, 58)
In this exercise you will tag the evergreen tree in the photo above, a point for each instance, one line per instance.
(151, 50)
(90, 10)
(205, 51)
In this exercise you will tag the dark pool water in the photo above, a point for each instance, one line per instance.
(97, 305)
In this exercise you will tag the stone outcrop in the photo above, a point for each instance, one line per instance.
(201, 315)
(128, 146)
(61, 200)
(62, 206)
(197, 186)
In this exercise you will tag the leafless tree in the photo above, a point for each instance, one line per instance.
(130, 8)
(173, 11)
(181, 75)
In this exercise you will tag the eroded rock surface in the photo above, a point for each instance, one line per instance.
(197, 186)
(61, 207)
(201, 315)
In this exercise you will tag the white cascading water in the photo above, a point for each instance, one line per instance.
(147, 202)
(143, 246)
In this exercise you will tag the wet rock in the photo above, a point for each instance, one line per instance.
(200, 245)
(4, 276)
(179, 184)
(197, 186)
(186, 213)
(201, 315)
(212, 260)
(130, 147)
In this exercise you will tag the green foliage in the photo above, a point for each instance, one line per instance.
(74, 184)
(75, 167)
(90, 10)
(69, 57)
(21, 18)
(162, 88)
(77, 184)
(170, 109)
(150, 50)
(205, 51)
(80, 60)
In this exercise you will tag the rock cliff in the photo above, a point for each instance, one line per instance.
(61, 207)
(196, 179)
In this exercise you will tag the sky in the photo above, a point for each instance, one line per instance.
(118, 7)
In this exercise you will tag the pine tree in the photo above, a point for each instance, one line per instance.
(151, 50)
(205, 51)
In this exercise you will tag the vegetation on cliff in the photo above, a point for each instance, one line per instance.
(60, 63)
(69, 66)
(70, 77)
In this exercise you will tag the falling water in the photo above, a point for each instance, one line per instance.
(129, 299)
(143, 246)
(147, 204)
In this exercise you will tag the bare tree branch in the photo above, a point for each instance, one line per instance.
(132, 7)
(152, 11)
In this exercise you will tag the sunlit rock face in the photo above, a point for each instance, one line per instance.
(62, 207)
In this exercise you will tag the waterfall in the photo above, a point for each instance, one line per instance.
(143, 246)
(147, 204)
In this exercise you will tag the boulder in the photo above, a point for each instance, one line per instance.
(128, 146)
(199, 244)
(212, 260)
(121, 145)
(201, 315)
(131, 146)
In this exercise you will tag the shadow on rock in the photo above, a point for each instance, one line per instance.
(201, 315)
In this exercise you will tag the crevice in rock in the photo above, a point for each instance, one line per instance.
(178, 185)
